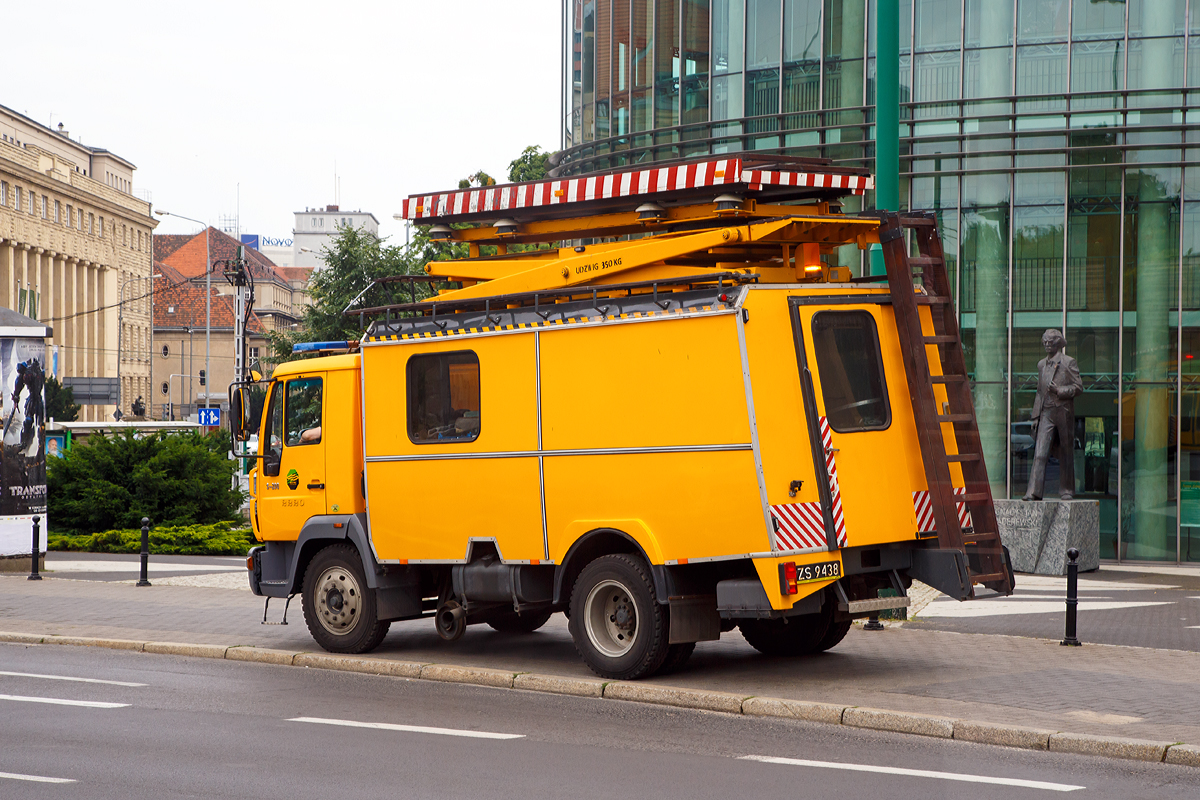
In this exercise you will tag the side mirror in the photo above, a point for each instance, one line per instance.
(239, 409)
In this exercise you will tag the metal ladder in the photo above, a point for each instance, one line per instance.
(917, 281)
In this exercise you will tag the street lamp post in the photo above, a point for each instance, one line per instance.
(121, 330)
(207, 300)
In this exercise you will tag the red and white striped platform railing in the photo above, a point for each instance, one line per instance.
(732, 173)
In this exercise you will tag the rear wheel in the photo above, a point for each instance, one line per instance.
(837, 631)
(512, 622)
(618, 625)
(339, 609)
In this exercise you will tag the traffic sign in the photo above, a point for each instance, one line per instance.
(210, 417)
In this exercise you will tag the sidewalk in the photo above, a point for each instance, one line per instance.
(1130, 692)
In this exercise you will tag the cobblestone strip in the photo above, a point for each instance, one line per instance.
(656, 694)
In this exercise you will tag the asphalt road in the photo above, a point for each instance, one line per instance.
(200, 728)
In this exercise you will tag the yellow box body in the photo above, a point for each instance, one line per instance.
(684, 430)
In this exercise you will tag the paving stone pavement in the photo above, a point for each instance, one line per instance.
(1097, 689)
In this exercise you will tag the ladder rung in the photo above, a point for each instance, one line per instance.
(963, 457)
(955, 417)
(933, 300)
(941, 339)
(923, 261)
(974, 497)
(948, 378)
(917, 222)
(988, 577)
(980, 536)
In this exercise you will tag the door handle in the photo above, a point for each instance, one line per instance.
(794, 488)
(316, 486)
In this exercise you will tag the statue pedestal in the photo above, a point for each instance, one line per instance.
(1037, 534)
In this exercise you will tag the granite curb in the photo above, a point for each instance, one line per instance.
(656, 694)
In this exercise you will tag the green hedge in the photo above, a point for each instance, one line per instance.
(218, 539)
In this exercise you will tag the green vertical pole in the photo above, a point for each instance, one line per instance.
(887, 115)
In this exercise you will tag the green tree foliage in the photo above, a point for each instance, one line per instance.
(477, 180)
(356, 259)
(60, 401)
(110, 483)
(218, 539)
(531, 165)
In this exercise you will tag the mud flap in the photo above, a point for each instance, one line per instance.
(944, 570)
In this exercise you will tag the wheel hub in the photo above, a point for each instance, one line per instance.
(339, 600)
(610, 618)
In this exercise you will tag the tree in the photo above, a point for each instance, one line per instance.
(531, 165)
(108, 483)
(60, 401)
(477, 180)
(355, 259)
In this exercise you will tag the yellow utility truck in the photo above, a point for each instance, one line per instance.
(672, 417)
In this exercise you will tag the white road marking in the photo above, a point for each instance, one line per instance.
(1000, 608)
(387, 726)
(16, 776)
(66, 678)
(917, 773)
(54, 701)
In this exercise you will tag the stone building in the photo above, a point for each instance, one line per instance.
(75, 247)
(180, 317)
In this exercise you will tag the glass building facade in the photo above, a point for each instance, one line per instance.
(1058, 143)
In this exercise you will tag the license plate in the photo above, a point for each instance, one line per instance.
(821, 571)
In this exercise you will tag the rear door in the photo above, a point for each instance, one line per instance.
(291, 486)
(857, 448)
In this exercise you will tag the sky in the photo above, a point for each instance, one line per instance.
(250, 108)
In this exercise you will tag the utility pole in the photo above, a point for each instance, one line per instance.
(887, 117)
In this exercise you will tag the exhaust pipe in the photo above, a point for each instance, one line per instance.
(450, 621)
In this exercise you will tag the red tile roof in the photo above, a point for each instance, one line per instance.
(180, 304)
(188, 257)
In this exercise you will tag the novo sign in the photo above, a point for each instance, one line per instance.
(257, 242)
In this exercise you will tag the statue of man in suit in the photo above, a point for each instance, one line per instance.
(1053, 416)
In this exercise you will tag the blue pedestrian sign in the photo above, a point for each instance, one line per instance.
(210, 417)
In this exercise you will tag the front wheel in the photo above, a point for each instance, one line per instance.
(339, 609)
(618, 625)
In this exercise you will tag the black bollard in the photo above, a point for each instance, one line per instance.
(1072, 597)
(37, 547)
(145, 581)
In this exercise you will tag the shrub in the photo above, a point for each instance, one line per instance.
(110, 483)
(220, 539)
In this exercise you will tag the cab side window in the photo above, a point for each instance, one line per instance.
(443, 398)
(302, 412)
(851, 371)
(272, 445)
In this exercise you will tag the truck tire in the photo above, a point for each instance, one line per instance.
(512, 622)
(677, 656)
(339, 609)
(618, 625)
(837, 631)
(795, 636)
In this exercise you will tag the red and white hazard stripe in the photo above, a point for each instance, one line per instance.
(799, 526)
(835, 489)
(716, 172)
(923, 506)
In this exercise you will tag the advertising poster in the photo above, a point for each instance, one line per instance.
(23, 455)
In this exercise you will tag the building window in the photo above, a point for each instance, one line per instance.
(3, 193)
(253, 353)
(70, 215)
(17, 207)
(57, 212)
(850, 368)
(443, 398)
(166, 349)
(45, 208)
(91, 228)
(31, 203)
(102, 227)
